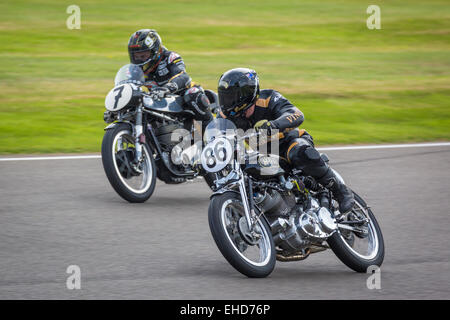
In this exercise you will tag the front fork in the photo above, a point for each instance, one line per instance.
(249, 212)
(139, 135)
(139, 140)
(247, 203)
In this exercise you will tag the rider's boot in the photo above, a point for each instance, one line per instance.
(343, 194)
(304, 156)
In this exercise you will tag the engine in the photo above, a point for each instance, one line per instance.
(293, 227)
(165, 134)
(177, 152)
(176, 142)
(274, 203)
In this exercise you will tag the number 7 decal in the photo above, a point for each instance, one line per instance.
(118, 95)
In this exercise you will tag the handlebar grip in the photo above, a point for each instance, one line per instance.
(278, 136)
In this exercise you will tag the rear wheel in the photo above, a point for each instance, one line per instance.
(133, 182)
(250, 252)
(359, 250)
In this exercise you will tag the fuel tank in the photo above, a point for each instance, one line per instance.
(172, 104)
(264, 166)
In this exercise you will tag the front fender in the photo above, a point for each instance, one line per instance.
(112, 125)
(222, 191)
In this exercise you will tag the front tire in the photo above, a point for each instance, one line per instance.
(342, 244)
(229, 238)
(117, 151)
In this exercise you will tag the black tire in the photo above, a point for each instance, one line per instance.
(350, 259)
(227, 248)
(113, 175)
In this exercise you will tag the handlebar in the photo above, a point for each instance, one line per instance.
(159, 89)
(157, 93)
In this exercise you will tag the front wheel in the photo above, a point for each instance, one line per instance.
(357, 250)
(250, 252)
(133, 182)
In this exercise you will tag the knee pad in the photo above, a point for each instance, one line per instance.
(309, 161)
(312, 154)
(301, 154)
(213, 98)
(198, 102)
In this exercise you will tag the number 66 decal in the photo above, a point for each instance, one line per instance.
(216, 155)
(118, 97)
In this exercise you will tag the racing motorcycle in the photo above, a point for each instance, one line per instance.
(147, 130)
(263, 211)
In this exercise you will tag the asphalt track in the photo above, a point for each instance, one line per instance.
(56, 213)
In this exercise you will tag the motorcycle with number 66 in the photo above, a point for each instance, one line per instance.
(262, 210)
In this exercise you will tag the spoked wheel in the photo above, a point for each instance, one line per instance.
(251, 252)
(135, 182)
(364, 247)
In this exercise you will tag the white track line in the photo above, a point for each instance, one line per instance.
(388, 146)
(52, 158)
(385, 146)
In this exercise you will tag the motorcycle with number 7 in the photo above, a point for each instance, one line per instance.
(142, 139)
(263, 211)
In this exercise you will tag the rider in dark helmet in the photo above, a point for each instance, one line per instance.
(164, 68)
(242, 101)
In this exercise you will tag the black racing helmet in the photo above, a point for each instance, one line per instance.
(145, 48)
(238, 89)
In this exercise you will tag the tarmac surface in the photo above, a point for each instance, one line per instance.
(57, 213)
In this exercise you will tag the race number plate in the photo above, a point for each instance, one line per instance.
(216, 155)
(118, 97)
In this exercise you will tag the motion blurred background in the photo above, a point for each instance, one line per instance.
(354, 85)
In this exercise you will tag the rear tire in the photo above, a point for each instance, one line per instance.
(114, 177)
(229, 250)
(351, 259)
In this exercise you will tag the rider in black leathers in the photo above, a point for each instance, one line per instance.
(247, 106)
(164, 68)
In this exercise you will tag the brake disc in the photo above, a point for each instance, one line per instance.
(124, 160)
(245, 233)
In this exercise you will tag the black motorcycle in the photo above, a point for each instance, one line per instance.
(149, 135)
(263, 210)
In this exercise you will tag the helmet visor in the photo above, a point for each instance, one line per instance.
(143, 56)
(229, 100)
(229, 97)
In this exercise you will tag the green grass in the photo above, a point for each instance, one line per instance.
(354, 85)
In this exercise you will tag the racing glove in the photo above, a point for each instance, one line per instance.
(264, 125)
(159, 93)
(172, 86)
